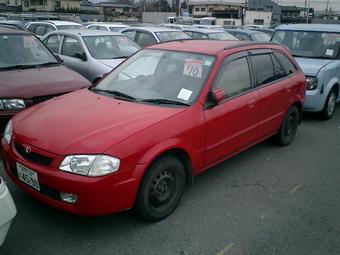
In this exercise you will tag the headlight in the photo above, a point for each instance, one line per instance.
(91, 165)
(8, 132)
(12, 104)
(312, 83)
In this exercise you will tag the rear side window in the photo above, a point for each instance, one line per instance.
(130, 34)
(263, 69)
(286, 63)
(32, 27)
(198, 36)
(234, 77)
(40, 30)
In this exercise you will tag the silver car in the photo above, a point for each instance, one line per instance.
(92, 53)
(146, 36)
(316, 47)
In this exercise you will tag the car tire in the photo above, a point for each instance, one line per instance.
(288, 127)
(329, 107)
(161, 189)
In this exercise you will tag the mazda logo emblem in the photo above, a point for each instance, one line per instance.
(28, 148)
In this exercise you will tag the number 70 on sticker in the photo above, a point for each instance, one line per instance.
(193, 68)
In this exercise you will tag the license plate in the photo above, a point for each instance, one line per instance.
(28, 176)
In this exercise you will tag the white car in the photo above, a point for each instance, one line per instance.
(7, 210)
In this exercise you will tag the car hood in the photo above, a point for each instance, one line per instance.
(310, 66)
(28, 83)
(85, 122)
(112, 63)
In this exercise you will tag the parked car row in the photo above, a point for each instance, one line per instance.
(167, 113)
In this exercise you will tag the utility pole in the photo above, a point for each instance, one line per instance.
(327, 11)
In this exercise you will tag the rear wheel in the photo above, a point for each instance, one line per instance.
(161, 189)
(288, 127)
(329, 106)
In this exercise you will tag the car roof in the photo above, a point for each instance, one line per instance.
(153, 29)
(84, 32)
(311, 27)
(10, 31)
(56, 22)
(203, 30)
(209, 47)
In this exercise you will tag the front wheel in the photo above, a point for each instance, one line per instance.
(329, 106)
(288, 127)
(161, 189)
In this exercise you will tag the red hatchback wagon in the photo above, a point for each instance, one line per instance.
(163, 116)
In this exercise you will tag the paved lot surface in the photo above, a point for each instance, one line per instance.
(267, 200)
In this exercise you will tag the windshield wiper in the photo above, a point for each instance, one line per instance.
(120, 57)
(116, 93)
(164, 101)
(47, 64)
(27, 66)
(17, 67)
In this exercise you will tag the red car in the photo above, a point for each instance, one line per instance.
(30, 73)
(163, 116)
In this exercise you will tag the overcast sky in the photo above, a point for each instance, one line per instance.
(317, 4)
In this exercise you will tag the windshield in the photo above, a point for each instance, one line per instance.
(159, 75)
(65, 27)
(309, 44)
(23, 51)
(171, 35)
(110, 46)
(260, 37)
(221, 36)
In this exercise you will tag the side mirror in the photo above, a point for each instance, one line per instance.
(59, 59)
(215, 97)
(81, 56)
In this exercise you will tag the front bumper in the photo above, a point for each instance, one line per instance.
(96, 195)
(7, 211)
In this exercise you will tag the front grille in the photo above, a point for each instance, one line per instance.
(47, 191)
(37, 100)
(33, 156)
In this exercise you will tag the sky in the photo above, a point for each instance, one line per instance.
(316, 4)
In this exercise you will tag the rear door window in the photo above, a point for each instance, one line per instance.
(144, 39)
(40, 30)
(280, 72)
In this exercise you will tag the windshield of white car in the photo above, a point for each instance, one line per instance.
(110, 46)
(222, 36)
(309, 44)
(160, 77)
(24, 51)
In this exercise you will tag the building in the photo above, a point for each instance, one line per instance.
(13, 5)
(266, 6)
(50, 5)
(258, 18)
(293, 14)
(215, 8)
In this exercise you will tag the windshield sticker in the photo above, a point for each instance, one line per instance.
(184, 94)
(208, 62)
(5, 37)
(30, 42)
(329, 52)
(193, 68)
